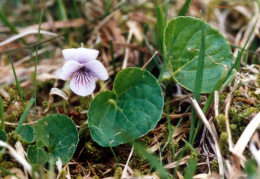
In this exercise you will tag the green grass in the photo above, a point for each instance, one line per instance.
(36, 63)
(27, 109)
(2, 114)
(198, 83)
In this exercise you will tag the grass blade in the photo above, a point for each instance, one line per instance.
(166, 11)
(209, 102)
(198, 82)
(112, 55)
(185, 8)
(28, 107)
(140, 150)
(151, 51)
(239, 55)
(2, 114)
(170, 128)
(191, 168)
(36, 62)
(17, 81)
(8, 23)
(166, 60)
(62, 11)
(160, 28)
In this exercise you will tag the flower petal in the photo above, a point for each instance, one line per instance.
(68, 69)
(82, 82)
(84, 55)
(97, 69)
(69, 54)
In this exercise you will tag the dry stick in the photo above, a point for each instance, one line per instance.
(17, 156)
(216, 103)
(206, 123)
(124, 175)
(145, 65)
(20, 35)
(127, 49)
(228, 102)
(246, 135)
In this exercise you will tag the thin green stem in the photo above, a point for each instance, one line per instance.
(170, 128)
(198, 83)
(27, 109)
(2, 114)
(112, 55)
(166, 60)
(16, 80)
(36, 62)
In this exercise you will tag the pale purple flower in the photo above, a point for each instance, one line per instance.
(81, 66)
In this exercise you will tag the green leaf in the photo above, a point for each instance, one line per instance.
(186, 50)
(36, 155)
(59, 135)
(27, 133)
(128, 112)
(3, 136)
(191, 168)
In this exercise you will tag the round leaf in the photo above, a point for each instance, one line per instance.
(36, 155)
(27, 133)
(186, 49)
(128, 112)
(59, 135)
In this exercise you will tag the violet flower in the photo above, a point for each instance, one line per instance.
(81, 66)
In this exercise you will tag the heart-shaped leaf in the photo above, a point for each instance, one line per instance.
(27, 133)
(128, 112)
(186, 48)
(59, 135)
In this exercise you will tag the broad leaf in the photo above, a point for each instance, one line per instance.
(59, 135)
(128, 112)
(27, 133)
(184, 57)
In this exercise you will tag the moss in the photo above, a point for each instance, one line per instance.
(95, 177)
(93, 151)
(195, 156)
(65, 106)
(13, 97)
(137, 174)
(13, 138)
(63, 174)
(258, 78)
(223, 143)
(78, 109)
(79, 177)
(214, 166)
(44, 104)
(118, 173)
(7, 164)
(221, 122)
(85, 101)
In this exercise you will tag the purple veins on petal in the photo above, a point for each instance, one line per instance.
(82, 82)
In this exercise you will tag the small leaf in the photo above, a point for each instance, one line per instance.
(27, 133)
(59, 135)
(128, 112)
(36, 155)
(186, 50)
